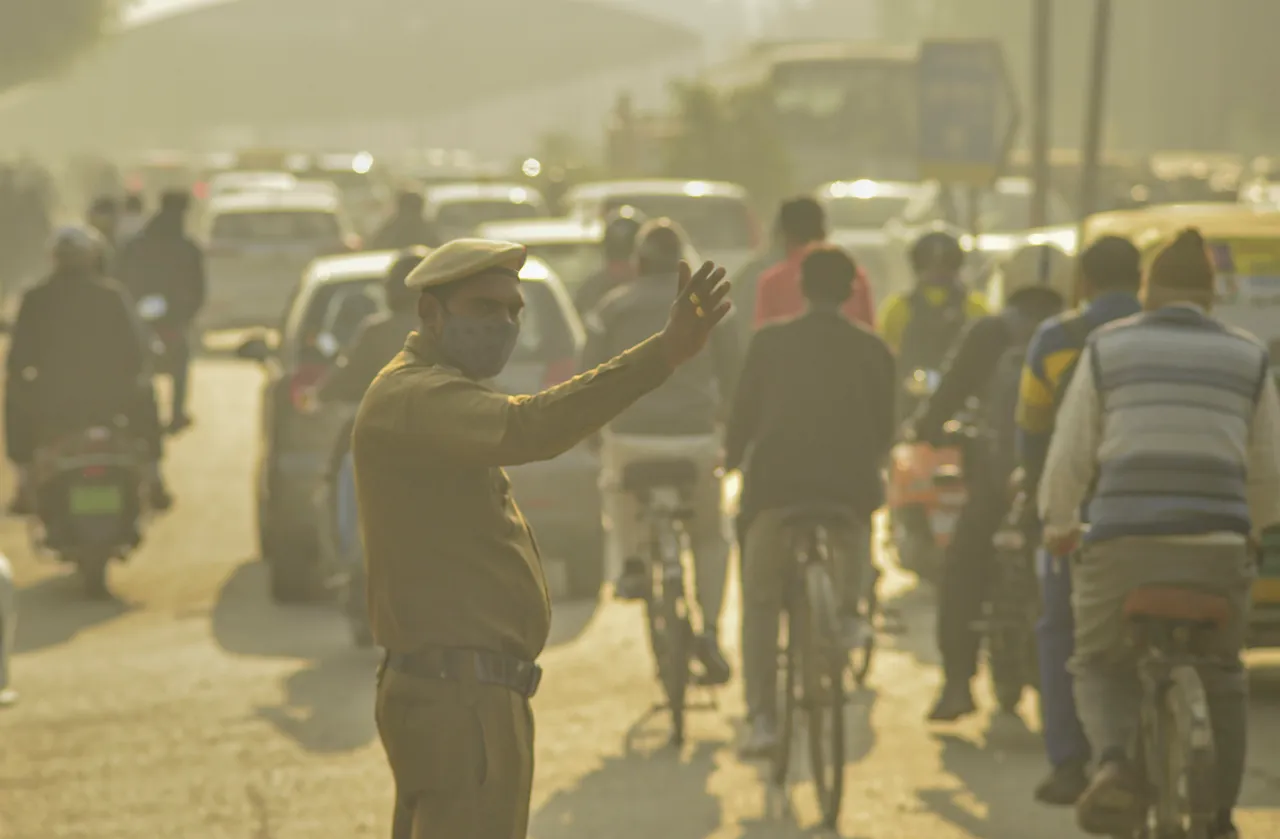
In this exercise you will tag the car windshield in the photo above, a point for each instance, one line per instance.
(572, 262)
(713, 222)
(467, 215)
(872, 213)
(276, 226)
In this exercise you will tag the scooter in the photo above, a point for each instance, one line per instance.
(91, 493)
(926, 489)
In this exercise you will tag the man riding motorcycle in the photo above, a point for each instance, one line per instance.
(1110, 272)
(923, 325)
(619, 267)
(978, 369)
(77, 359)
(162, 263)
(679, 420)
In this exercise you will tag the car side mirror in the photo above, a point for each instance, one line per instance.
(254, 349)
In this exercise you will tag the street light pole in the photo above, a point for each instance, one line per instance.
(1092, 145)
(1041, 108)
(1097, 108)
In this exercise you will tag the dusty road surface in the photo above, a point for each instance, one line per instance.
(192, 707)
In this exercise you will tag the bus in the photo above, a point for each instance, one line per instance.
(845, 110)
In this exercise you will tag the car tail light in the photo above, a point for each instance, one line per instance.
(200, 191)
(559, 371)
(93, 471)
(303, 382)
(353, 243)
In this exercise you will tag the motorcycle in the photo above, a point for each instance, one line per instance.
(1012, 609)
(91, 496)
(926, 489)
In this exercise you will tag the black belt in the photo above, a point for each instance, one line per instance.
(452, 664)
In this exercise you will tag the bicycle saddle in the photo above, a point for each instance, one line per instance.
(646, 475)
(1172, 603)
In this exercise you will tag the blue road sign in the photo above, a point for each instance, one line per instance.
(967, 111)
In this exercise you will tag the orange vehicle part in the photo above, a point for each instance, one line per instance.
(912, 472)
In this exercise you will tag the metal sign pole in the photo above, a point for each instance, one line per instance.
(1092, 143)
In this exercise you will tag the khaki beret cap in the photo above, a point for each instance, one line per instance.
(464, 258)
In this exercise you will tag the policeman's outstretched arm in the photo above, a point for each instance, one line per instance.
(457, 421)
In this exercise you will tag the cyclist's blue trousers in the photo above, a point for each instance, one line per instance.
(1064, 737)
(348, 513)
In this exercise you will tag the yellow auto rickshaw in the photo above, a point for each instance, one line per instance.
(1245, 244)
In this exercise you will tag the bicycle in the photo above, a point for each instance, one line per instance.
(812, 658)
(1175, 754)
(661, 487)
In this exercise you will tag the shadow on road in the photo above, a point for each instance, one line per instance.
(328, 704)
(56, 610)
(652, 781)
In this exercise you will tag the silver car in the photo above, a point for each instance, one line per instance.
(560, 498)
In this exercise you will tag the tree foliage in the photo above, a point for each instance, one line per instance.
(40, 38)
(732, 138)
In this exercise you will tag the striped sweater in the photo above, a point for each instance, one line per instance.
(1175, 431)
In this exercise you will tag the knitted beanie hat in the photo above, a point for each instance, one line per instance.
(1181, 272)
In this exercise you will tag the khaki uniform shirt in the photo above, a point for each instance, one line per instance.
(451, 561)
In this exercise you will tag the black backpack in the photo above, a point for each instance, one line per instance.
(932, 331)
(1000, 405)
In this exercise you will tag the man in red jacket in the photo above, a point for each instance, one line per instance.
(802, 224)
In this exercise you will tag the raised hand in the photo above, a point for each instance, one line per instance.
(699, 307)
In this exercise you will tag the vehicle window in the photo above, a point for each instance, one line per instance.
(466, 215)
(712, 222)
(850, 213)
(335, 309)
(276, 226)
(572, 262)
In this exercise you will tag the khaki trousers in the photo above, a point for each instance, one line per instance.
(461, 754)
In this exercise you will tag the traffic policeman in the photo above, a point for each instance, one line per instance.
(457, 595)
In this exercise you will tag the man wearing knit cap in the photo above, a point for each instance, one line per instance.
(456, 590)
(1173, 423)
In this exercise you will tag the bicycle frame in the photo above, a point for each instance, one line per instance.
(1174, 707)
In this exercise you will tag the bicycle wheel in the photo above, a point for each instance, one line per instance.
(789, 648)
(1186, 799)
(671, 638)
(870, 613)
(823, 663)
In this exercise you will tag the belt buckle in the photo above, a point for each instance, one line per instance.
(535, 679)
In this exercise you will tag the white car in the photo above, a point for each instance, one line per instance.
(715, 214)
(258, 243)
(8, 629)
(573, 248)
(456, 210)
(232, 183)
(857, 213)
